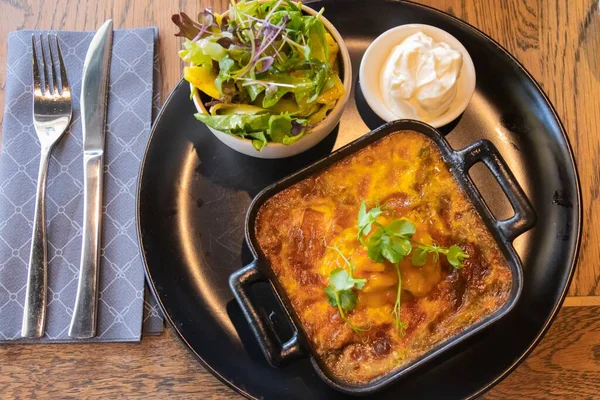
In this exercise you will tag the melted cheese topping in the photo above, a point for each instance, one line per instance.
(405, 172)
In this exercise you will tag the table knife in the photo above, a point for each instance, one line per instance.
(93, 101)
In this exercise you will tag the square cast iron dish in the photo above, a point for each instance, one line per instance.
(459, 162)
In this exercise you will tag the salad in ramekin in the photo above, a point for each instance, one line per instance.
(268, 71)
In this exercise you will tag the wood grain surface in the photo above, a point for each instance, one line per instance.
(566, 362)
(558, 41)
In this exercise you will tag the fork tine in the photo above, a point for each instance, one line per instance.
(47, 64)
(37, 86)
(61, 66)
(53, 67)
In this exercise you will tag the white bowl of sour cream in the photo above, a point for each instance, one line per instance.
(417, 71)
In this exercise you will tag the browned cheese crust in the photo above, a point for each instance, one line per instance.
(405, 173)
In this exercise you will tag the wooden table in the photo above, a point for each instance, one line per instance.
(558, 41)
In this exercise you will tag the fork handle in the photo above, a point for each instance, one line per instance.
(83, 322)
(34, 315)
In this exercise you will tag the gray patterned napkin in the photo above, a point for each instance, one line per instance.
(121, 300)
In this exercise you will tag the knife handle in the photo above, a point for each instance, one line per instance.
(83, 322)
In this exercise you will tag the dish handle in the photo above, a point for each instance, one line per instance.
(276, 352)
(524, 216)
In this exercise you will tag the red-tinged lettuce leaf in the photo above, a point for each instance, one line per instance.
(225, 42)
(264, 64)
(297, 128)
(188, 28)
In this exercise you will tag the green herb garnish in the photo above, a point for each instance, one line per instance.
(454, 254)
(393, 242)
(340, 291)
(366, 219)
(359, 282)
(400, 326)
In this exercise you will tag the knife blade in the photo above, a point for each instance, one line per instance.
(93, 102)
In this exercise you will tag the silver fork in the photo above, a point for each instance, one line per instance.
(51, 116)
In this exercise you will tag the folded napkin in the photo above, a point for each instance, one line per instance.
(130, 107)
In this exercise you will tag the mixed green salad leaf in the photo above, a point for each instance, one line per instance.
(270, 70)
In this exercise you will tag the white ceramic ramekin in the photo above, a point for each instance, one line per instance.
(377, 54)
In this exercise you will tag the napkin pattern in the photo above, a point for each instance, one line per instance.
(154, 322)
(121, 297)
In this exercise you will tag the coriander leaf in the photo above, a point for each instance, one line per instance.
(331, 295)
(366, 219)
(340, 279)
(374, 247)
(390, 255)
(340, 293)
(456, 256)
(401, 227)
(362, 213)
(391, 242)
(382, 246)
(419, 256)
(400, 245)
(394, 248)
(347, 300)
(359, 283)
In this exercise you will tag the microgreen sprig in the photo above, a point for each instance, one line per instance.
(366, 219)
(393, 242)
(340, 291)
(359, 282)
(400, 325)
(454, 254)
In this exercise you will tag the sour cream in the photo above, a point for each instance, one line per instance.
(419, 78)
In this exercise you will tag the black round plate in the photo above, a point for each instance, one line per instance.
(194, 192)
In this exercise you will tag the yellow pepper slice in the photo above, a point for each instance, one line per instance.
(218, 18)
(203, 78)
(333, 48)
(225, 109)
(333, 93)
